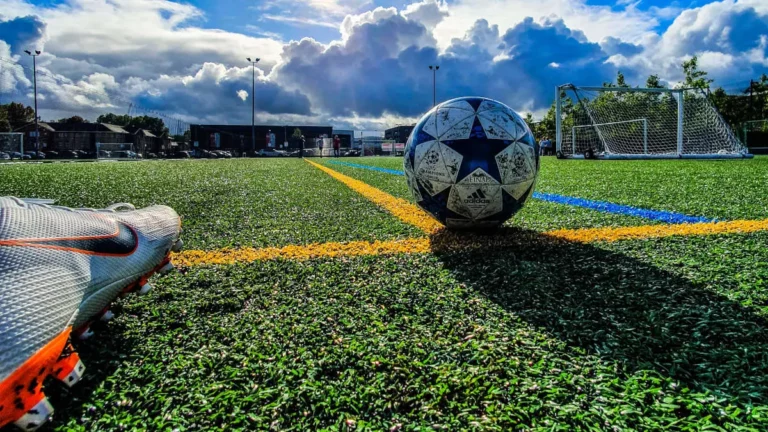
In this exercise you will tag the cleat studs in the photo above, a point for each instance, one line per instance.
(75, 375)
(178, 246)
(145, 289)
(167, 268)
(35, 417)
(86, 334)
(69, 369)
(107, 316)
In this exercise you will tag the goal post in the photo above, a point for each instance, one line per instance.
(12, 142)
(641, 123)
(115, 151)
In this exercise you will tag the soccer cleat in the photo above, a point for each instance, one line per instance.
(60, 269)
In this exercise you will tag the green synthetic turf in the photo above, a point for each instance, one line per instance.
(662, 334)
(536, 215)
(635, 335)
(228, 203)
(725, 189)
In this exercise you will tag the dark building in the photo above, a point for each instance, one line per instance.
(399, 134)
(237, 138)
(84, 136)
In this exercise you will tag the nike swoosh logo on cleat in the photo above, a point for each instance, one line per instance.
(123, 242)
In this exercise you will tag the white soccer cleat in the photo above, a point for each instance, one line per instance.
(60, 269)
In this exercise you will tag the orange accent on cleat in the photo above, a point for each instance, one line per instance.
(69, 369)
(40, 413)
(22, 391)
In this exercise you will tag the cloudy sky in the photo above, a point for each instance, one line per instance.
(358, 63)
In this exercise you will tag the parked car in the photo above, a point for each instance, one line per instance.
(52, 154)
(351, 153)
(184, 154)
(69, 154)
(105, 154)
(271, 153)
(35, 155)
(5, 156)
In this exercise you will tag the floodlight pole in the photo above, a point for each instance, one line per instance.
(434, 83)
(680, 119)
(558, 125)
(34, 78)
(253, 103)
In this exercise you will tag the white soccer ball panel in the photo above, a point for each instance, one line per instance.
(515, 163)
(502, 124)
(517, 190)
(430, 126)
(488, 105)
(461, 104)
(475, 201)
(454, 124)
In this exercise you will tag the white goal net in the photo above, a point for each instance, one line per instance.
(115, 151)
(624, 122)
(11, 142)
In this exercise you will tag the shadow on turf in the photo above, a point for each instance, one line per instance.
(617, 307)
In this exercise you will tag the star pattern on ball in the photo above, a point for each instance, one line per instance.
(471, 162)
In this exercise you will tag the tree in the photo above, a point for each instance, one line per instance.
(15, 115)
(653, 82)
(115, 119)
(73, 119)
(296, 134)
(695, 78)
(152, 124)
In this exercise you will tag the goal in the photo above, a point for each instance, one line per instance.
(641, 123)
(115, 151)
(11, 142)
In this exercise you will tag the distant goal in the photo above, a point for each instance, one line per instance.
(641, 123)
(116, 151)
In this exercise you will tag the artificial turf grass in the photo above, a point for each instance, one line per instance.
(724, 189)
(223, 203)
(536, 214)
(542, 336)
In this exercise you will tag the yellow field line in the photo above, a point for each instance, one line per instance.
(442, 240)
(446, 241)
(301, 252)
(400, 208)
(588, 235)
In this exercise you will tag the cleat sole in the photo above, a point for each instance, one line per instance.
(178, 246)
(22, 390)
(167, 268)
(69, 369)
(40, 413)
(85, 334)
(107, 316)
(146, 288)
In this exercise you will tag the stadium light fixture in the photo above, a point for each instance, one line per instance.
(253, 103)
(34, 75)
(434, 83)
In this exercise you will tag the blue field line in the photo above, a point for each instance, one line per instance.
(601, 206)
(368, 167)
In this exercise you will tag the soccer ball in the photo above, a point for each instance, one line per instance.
(471, 162)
